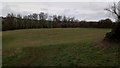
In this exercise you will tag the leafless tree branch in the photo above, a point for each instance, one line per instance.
(114, 9)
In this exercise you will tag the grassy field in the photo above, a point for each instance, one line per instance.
(58, 47)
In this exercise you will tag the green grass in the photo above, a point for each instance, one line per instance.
(58, 47)
(38, 37)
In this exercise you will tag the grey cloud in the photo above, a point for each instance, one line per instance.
(81, 10)
(6, 9)
(44, 9)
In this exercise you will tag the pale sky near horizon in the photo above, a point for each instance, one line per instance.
(80, 10)
(59, 0)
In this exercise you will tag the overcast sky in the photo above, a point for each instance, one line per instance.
(79, 10)
(59, 0)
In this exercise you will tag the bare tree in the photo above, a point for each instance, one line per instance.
(64, 19)
(114, 35)
(41, 16)
(30, 16)
(114, 9)
(59, 18)
(55, 18)
(19, 16)
(35, 16)
(25, 17)
(10, 15)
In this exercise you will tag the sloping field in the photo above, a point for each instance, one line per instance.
(39, 37)
(58, 47)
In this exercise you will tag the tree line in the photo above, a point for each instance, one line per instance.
(43, 20)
